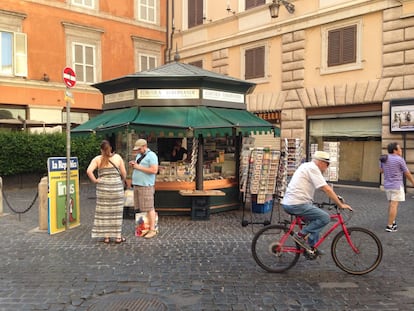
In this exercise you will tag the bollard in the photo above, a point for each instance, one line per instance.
(1, 196)
(43, 204)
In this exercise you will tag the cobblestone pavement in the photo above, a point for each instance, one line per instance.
(193, 265)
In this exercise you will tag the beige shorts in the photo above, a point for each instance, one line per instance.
(144, 198)
(395, 195)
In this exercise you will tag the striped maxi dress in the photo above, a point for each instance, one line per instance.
(109, 204)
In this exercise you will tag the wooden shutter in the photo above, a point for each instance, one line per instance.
(254, 63)
(195, 13)
(349, 45)
(20, 54)
(253, 3)
(342, 46)
(198, 63)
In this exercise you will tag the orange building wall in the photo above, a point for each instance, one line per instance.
(46, 44)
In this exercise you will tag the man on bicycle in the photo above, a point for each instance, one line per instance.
(299, 195)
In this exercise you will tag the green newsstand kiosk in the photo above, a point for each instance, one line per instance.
(205, 110)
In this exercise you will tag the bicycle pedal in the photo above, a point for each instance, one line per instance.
(310, 254)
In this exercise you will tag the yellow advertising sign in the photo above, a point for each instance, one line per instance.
(57, 194)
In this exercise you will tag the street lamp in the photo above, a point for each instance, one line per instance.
(274, 7)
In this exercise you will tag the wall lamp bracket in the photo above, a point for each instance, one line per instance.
(275, 5)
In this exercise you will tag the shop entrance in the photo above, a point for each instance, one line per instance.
(358, 162)
(359, 147)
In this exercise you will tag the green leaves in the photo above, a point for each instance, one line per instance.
(23, 153)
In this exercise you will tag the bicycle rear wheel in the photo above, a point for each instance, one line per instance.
(269, 254)
(368, 255)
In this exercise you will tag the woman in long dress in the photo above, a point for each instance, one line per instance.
(109, 194)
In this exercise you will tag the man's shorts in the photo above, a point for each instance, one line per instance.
(144, 198)
(395, 195)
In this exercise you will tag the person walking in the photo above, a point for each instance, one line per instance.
(394, 168)
(299, 195)
(109, 194)
(143, 180)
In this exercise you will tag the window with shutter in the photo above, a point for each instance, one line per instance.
(147, 62)
(85, 53)
(84, 56)
(254, 63)
(147, 11)
(198, 63)
(253, 3)
(85, 3)
(342, 46)
(13, 53)
(195, 13)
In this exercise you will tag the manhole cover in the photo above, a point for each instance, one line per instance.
(128, 303)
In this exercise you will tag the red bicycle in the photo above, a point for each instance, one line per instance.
(355, 250)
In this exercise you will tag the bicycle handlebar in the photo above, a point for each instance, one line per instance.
(325, 204)
(329, 205)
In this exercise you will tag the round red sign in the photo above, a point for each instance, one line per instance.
(69, 77)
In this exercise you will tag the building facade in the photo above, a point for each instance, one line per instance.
(326, 70)
(99, 39)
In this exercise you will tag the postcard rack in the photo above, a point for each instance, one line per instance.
(259, 169)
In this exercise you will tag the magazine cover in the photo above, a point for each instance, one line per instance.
(57, 194)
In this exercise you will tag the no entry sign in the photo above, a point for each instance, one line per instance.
(69, 77)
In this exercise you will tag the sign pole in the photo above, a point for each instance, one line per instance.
(69, 77)
(67, 159)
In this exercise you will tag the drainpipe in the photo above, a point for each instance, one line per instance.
(169, 36)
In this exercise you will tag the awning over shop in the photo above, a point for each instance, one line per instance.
(177, 121)
(244, 120)
(347, 127)
(107, 120)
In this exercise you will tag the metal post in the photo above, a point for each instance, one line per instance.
(1, 196)
(68, 96)
(199, 168)
(404, 150)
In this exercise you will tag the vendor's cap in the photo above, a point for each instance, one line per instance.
(321, 155)
(140, 143)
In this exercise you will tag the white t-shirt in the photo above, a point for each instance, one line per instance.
(301, 189)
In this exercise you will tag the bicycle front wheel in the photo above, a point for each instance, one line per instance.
(364, 259)
(270, 254)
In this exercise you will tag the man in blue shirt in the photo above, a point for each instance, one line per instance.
(143, 179)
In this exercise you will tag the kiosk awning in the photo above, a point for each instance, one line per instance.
(107, 120)
(178, 121)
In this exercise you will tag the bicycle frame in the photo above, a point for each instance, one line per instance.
(273, 252)
(298, 221)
